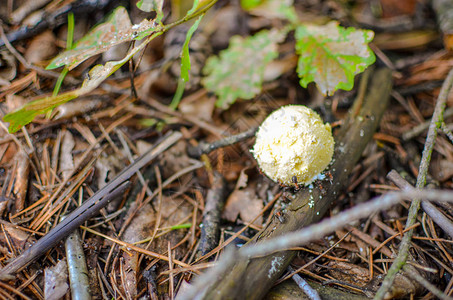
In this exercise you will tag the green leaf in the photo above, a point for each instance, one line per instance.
(152, 5)
(30, 110)
(116, 30)
(238, 71)
(250, 4)
(185, 58)
(96, 76)
(194, 7)
(280, 9)
(332, 55)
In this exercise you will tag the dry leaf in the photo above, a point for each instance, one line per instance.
(41, 48)
(76, 108)
(56, 281)
(21, 179)
(15, 236)
(201, 108)
(66, 159)
(244, 203)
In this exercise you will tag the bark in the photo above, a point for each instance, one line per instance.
(252, 278)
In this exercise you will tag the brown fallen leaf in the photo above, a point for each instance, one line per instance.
(41, 48)
(244, 203)
(199, 107)
(15, 236)
(350, 273)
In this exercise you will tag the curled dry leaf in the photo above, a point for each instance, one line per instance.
(351, 273)
(13, 102)
(201, 108)
(21, 179)
(173, 211)
(66, 159)
(76, 108)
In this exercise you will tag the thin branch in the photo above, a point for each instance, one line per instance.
(447, 131)
(403, 252)
(205, 148)
(304, 286)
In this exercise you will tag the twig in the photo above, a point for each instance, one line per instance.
(304, 286)
(428, 207)
(447, 131)
(215, 200)
(205, 148)
(329, 225)
(313, 260)
(403, 252)
(423, 126)
(73, 220)
(131, 159)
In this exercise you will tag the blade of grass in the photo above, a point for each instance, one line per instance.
(69, 43)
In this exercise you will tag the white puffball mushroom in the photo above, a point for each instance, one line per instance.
(293, 141)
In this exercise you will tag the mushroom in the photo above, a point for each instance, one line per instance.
(293, 145)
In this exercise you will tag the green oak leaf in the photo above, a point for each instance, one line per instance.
(238, 71)
(331, 55)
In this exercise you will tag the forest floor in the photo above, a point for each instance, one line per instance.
(157, 227)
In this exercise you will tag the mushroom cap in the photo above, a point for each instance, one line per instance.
(293, 141)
